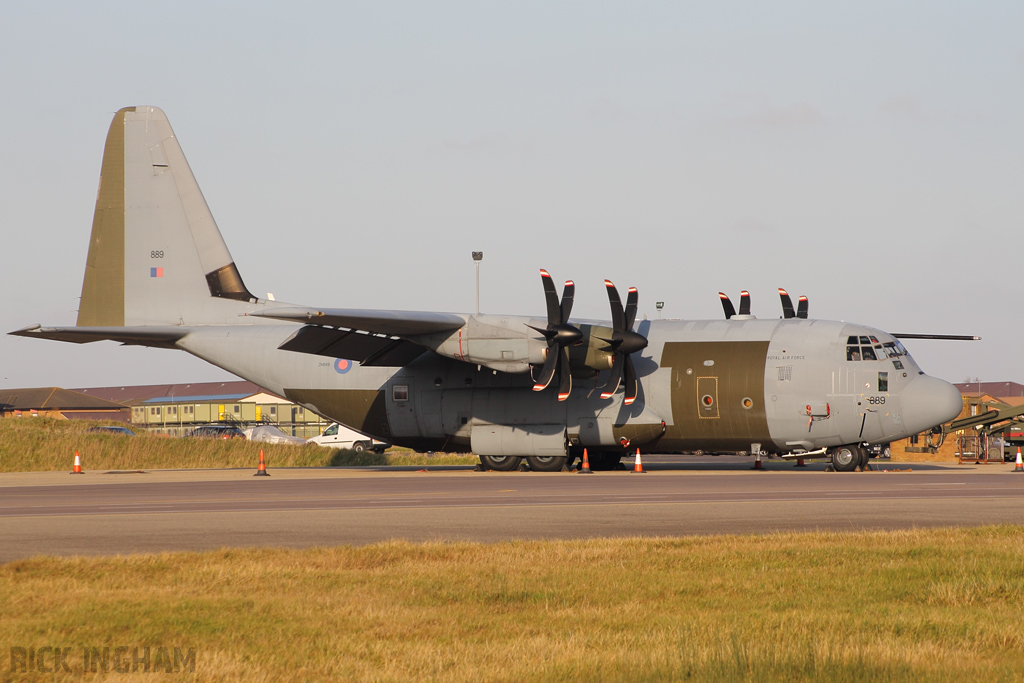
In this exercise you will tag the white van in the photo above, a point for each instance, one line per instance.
(338, 436)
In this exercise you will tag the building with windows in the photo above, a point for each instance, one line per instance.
(175, 409)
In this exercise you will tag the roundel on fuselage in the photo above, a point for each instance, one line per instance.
(341, 365)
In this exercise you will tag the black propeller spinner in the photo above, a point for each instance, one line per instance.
(559, 334)
(787, 305)
(727, 304)
(624, 343)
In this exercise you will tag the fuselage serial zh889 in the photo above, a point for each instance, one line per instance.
(158, 273)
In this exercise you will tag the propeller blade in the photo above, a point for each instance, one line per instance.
(801, 307)
(727, 305)
(548, 370)
(613, 378)
(629, 377)
(618, 317)
(567, 294)
(551, 297)
(787, 304)
(630, 312)
(744, 302)
(565, 376)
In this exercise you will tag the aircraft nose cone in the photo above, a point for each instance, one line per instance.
(928, 402)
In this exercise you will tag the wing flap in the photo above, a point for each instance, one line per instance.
(365, 348)
(396, 323)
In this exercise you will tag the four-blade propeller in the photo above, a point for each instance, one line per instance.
(623, 343)
(559, 334)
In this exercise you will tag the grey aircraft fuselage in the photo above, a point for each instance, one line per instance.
(711, 386)
(158, 273)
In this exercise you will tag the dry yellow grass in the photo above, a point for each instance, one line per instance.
(940, 604)
(43, 444)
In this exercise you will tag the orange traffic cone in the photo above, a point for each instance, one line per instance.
(757, 462)
(261, 471)
(585, 467)
(1019, 467)
(638, 466)
(78, 464)
(800, 462)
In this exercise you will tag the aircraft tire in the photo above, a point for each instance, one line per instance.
(501, 463)
(546, 464)
(846, 458)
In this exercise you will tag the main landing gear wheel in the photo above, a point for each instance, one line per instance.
(847, 458)
(501, 463)
(546, 463)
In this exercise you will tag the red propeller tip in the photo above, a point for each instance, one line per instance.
(783, 292)
(802, 298)
(632, 289)
(722, 295)
(562, 397)
(604, 395)
(539, 387)
(629, 401)
(608, 283)
(544, 273)
(744, 293)
(570, 283)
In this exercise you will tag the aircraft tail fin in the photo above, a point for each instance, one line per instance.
(156, 256)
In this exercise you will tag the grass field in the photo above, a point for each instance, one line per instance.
(939, 604)
(43, 444)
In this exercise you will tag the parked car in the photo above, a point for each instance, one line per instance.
(218, 432)
(271, 434)
(339, 436)
(110, 429)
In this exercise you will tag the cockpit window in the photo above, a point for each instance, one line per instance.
(869, 347)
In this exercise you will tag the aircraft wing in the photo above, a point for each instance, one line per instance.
(392, 323)
(159, 336)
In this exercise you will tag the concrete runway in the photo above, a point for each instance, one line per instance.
(110, 513)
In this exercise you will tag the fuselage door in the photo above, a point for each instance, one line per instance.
(707, 398)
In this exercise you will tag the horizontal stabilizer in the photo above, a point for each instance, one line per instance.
(367, 349)
(162, 337)
(398, 323)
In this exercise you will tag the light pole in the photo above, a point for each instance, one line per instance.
(478, 256)
(659, 305)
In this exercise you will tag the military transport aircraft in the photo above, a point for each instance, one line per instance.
(158, 273)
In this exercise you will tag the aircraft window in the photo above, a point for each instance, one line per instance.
(400, 392)
(868, 353)
(901, 348)
(852, 340)
(865, 340)
(883, 381)
(331, 431)
(874, 340)
(852, 353)
(890, 349)
(897, 364)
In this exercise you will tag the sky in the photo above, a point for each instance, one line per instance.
(868, 155)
